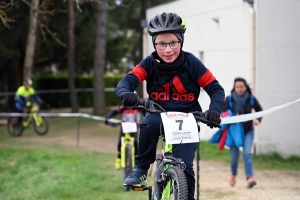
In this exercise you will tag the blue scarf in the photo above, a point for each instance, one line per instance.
(240, 102)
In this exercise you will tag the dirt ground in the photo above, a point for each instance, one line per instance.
(271, 185)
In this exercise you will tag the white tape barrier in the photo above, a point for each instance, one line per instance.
(251, 116)
(226, 120)
(60, 115)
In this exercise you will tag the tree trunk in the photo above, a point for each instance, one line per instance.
(71, 50)
(31, 40)
(14, 80)
(99, 57)
(144, 5)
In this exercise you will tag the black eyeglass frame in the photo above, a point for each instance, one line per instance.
(166, 44)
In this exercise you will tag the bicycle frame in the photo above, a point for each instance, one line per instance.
(165, 161)
(40, 123)
(33, 115)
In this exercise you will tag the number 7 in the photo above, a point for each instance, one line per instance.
(180, 123)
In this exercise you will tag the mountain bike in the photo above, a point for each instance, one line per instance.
(40, 123)
(127, 146)
(169, 179)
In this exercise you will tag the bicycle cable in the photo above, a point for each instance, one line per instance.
(162, 144)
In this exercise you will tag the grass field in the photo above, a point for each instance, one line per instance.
(32, 170)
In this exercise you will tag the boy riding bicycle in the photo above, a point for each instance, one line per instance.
(174, 78)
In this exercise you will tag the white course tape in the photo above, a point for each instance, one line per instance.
(60, 115)
(251, 116)
(226, 120)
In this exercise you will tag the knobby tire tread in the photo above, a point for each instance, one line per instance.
(36, 128)
(178, 175)
(10, 122)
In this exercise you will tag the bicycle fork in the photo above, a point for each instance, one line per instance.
(38, 119)
(127, 139)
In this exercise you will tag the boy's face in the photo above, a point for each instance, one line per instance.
(168, 54)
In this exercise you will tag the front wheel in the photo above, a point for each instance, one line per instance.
(14, 126)
(40, 125)
(128, 162)
(176, 187)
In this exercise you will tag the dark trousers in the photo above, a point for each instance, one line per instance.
(150, 131)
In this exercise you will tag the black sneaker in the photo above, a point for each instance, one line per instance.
(136, 176)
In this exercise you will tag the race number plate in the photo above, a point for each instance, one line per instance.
(180, 127)
(129, 127)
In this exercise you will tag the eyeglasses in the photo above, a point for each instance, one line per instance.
(162, 46)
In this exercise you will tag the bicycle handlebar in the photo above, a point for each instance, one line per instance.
(152, 107)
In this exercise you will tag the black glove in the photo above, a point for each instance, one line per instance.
(214, 116)
(106, 121)
(130, 99)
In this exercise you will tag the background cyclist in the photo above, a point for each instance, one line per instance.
(24, 97)
(128, 115)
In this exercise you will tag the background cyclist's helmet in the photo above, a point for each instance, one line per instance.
(166, 22)
(28, 82)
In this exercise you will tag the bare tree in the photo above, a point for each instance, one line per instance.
(71, 50)
(31, 39)
(99, 57)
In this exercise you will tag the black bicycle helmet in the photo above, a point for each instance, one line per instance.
(166, 22)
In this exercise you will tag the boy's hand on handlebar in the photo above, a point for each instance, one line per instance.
(130, 99)
(214, 116)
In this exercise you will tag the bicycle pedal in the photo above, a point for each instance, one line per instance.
(138, 187)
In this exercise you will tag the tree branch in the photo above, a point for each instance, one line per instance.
(5, 21)
(53, 35)
(51, 12)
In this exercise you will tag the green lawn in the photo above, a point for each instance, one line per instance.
(35, 170)
(60, 173)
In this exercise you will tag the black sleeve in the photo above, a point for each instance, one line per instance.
(112, 113)
(257, 107)
(226, 105)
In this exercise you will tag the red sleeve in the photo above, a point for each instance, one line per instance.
(119, 109)
(206, 79)
(139, 72)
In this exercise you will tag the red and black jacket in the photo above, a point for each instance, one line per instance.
(178, 92)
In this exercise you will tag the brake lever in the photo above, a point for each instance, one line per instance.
(202, 119)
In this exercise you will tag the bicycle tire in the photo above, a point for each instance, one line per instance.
(178, 182)
(128, 163)
(13, 128)
(43, 128)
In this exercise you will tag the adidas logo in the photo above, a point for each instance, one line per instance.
(175, 92)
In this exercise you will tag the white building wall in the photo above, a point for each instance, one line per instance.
(226, 45)
(278, 71)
